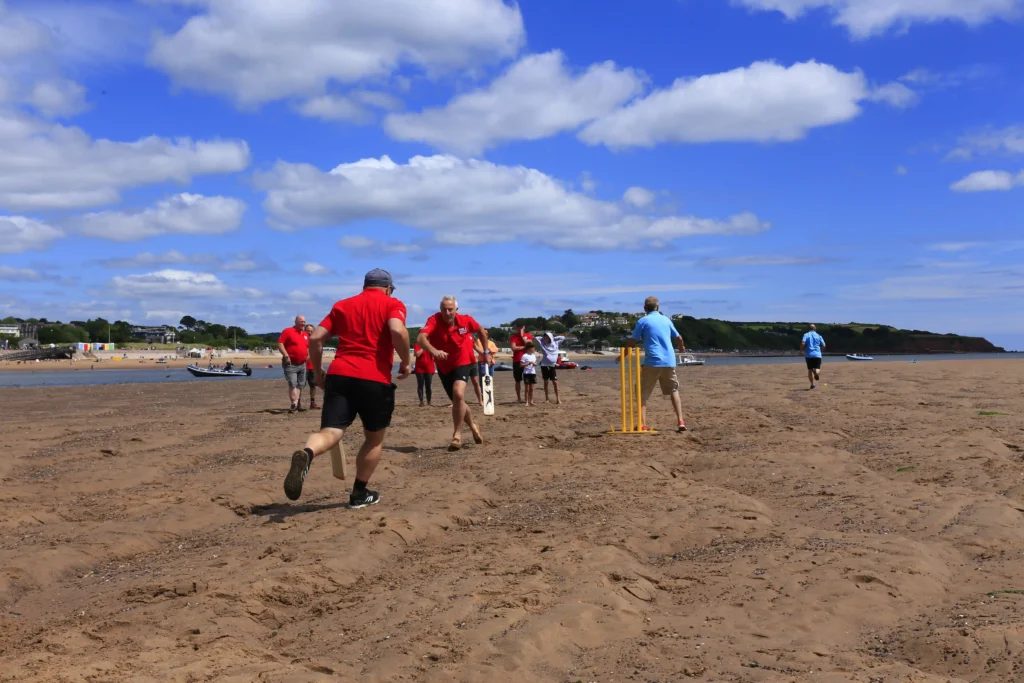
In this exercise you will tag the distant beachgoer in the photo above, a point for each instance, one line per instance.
(424, 371)
(549, 362)
(448, 337)
(529, 363)
(811, 345)
(310, 376)
(518, 343)
(370, 327)
(485, 361)
(293, 345)
(657, 333)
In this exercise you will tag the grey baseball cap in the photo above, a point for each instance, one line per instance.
(378, 278)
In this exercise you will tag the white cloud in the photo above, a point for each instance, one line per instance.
(1008, 140)
(472, 202)
(757, 260)
(20, 36)
(244, 261)
(949, 285)
(182, 214)
(17, 274)
(988, 181)
(865, 18)
(639, 197)
(895, 94)
(901, 170)
(333, 108)
(176, 284)
(57, 98)
(535, 98)
(256, 52)
(954, 246)
(359, 243)
(764, 102)
(18, 234)
(312, 268)
(46, 165)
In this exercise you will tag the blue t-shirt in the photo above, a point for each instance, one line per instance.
(812, 344)
(656, 332)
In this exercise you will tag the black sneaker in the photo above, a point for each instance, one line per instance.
(361, 500)
(297, 474)
(293, 408)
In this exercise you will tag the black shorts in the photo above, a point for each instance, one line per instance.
(530, 379)
(517, 371)
(474, 370)
(549, 372)
(459, 374)
(310, 377)
(813, 363)
(346, 397)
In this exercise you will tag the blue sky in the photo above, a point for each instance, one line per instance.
(823, 160)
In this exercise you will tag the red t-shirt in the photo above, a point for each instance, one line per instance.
(365, 349)
(517, 340)
(309, 364)
(296, 345)
(424, 363)
(456, 341)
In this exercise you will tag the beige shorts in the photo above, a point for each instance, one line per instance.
(666, 377)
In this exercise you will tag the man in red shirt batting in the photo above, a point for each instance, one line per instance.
(370, 327)
(448, 337)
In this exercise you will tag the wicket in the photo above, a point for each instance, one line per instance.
(629, 393)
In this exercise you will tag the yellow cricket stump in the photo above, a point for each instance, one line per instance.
(629, 393)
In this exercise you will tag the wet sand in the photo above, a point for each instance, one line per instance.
(869, 531)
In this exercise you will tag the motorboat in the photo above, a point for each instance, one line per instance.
(502, 367)
(244, 371)
(685, 359)
(858, 356)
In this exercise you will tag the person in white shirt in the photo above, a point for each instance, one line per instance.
(549, 363)
(529, 364)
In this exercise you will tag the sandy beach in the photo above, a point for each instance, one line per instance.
(867, 531)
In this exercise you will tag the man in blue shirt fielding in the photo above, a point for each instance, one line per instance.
(657, 332)
(811, 345)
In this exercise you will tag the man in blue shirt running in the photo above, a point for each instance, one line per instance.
(811, 345)
(657, 332)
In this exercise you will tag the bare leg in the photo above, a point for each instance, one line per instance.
(810, 376)
(322, 441)
(554, 383)
(476, 388)
(369, 454)
(294, 395)
(546, 396)
(519, 388)
(460, 411)
(312, 394)
(677, 403)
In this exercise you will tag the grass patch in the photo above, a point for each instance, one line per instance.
(909, 468)
(1014, 591)
(990, 412)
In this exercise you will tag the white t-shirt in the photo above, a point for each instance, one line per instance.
(529, 362)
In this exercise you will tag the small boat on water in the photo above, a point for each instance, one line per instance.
(858, 356)
(502, 367)
(686, 359)
(244, 371)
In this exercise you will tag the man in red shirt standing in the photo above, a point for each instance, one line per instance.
(518, 343)
(293, 344)
(310, 378)
(370, 327)
(424, 371)
(448, 337)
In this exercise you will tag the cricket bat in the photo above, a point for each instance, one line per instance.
(338, 461)
(487, 383)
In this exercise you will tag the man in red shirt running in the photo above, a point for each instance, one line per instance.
(448, 337)
(518, 343)
(370, 327)
(293, 344)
